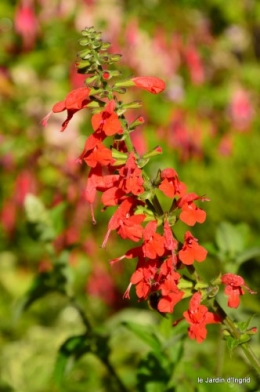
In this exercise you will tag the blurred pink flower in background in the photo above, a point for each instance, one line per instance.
(241, 110)
(26, 23)
(226, 145)
(194, 63)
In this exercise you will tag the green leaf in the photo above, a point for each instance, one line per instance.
(39, 222)
(145, 334)
(71, 350)
(74, 348)
(57, 216)
(248, 254)
(230, 239)
(152, 374)
(44, 283)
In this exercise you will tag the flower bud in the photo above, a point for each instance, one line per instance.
(136, 123)
(82, 64)
(119, 155)
(155, 151)
(124, 83)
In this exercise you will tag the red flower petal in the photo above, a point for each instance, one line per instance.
(149, 83)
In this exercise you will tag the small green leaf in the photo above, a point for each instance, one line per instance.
(38, 219)
(145, 334)
(57, 216)
(230, 239)
(247, 254)
(72, 349)
(56, 280)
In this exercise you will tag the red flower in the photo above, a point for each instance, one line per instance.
(126, 225)
(234, 289)
(149, 83)
(190, 212)
(191, 250)
(131, 174)
(107, 120)
(91, 142)
(170, 185)
(144, 277)
(100, 154)
(198, 317)
(170, 242)
(76, 100)
(153, 242)
(97, 181)
(171, 295)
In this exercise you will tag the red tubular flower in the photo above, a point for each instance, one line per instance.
(144, 276)
(170, 242)
(107, 120)
(91, 142)
(76, 100)
(171, 295)
(149, 83)
(153, 242)
(191, 250)
(198, 317)
(126, 225)
(100, 154)
(170, 185)
(190, 212)
(132, 180)
(234, 289)
(97, 181)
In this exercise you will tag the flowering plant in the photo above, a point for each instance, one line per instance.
(118, 173)
(165, 273)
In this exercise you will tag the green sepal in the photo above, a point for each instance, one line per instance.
(217, 280)
(142, 162)
(146, 211)
(93, 104)
(91, 79)
(119, 90)
(185, 284)
(138, 121)
(154, 152)
(84, 41)
(124, 83)
(105, 46)
(115, 57)
(157, 180)
(201, 286)
(212, 291)
(94, 91)
(85, 54)
(172, 219)
(146, 195)
(82, 64)
(130, 105)
(119, 155)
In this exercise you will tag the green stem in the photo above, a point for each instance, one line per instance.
(122, 388)
(81, 313)
(89, 328)
(226, 320)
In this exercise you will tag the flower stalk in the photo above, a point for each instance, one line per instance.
(118, 173)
